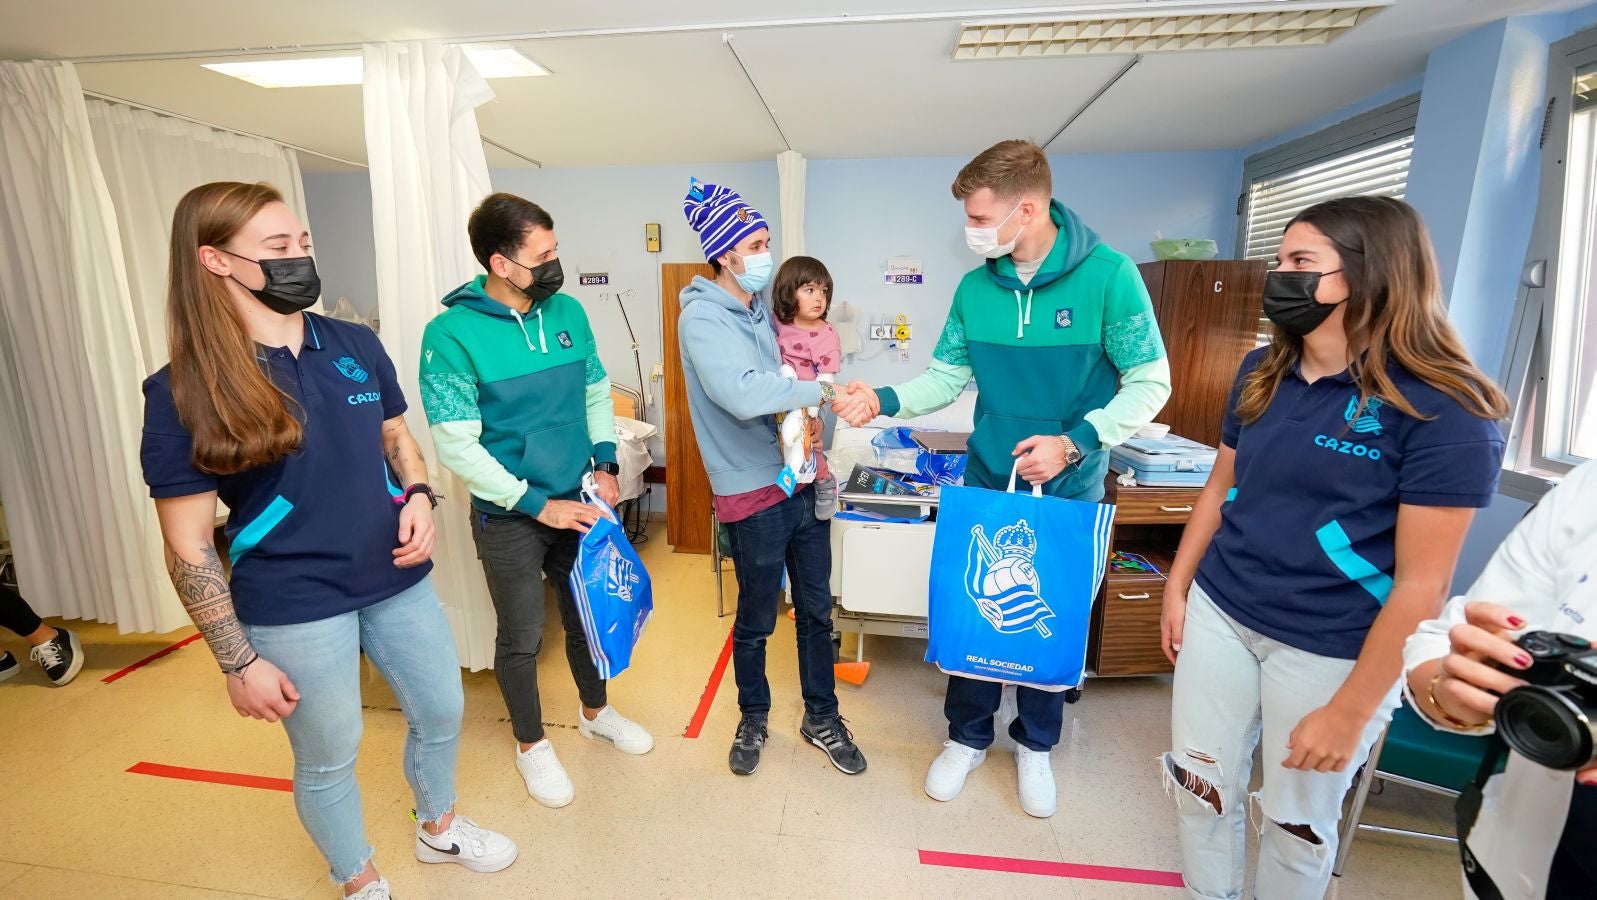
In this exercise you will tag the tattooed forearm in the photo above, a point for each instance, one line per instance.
(205, 594)
(403, 453)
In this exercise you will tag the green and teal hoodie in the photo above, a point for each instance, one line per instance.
(1074, 351)
(518, 403)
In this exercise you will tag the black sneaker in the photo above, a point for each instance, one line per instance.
(9, 667)
(751, 734)
(60, 658)
(830, 734)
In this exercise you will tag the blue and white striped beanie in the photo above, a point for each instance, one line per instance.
(720, 216)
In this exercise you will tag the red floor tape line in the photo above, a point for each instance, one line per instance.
(1054, 869)
(209, 777)
(707, 699)
(151, 658)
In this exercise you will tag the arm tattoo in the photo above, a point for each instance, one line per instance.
(206, 596)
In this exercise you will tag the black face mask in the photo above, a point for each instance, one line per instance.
(547, 280)
(292, 284)
(1289, 301)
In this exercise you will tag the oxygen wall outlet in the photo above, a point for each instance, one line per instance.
(881, 332)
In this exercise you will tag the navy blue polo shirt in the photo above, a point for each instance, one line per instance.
(1306, 548)
(311, 536)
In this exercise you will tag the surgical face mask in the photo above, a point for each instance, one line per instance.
(292, 284)
(1289, 301)
(547, 279)
(756, 272)
(984, 241)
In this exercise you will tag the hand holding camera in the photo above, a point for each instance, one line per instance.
(1540, 689)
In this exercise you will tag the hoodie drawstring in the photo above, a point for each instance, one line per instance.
(544, 347)
(1022, 316)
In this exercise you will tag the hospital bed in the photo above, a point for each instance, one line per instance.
(879, 568)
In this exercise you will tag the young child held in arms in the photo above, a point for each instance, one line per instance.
(801, 295)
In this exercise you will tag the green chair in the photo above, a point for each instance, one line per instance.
(1412, 753)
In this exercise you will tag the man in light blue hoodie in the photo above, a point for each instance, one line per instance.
(730, 360)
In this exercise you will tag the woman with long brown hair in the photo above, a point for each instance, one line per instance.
(1355, 449)
(296, 422)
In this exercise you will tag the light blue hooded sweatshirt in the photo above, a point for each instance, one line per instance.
(735, 389)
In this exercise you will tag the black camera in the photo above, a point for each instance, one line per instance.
(1550, 719)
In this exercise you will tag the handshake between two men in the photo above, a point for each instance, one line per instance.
(1041, 457)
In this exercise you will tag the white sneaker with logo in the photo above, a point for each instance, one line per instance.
(1038, 796)
(946, 778)
(546, 779)
(612, 727)
(467, 843)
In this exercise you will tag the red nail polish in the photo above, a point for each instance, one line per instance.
(1589, 781)
(1516, 622)
(1522, 661)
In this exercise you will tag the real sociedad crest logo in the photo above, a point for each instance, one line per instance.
(1000, 578)
(621, 575)
(1367, 422)
(352, 369)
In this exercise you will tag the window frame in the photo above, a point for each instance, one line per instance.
(1527, 359)
(1367, 129)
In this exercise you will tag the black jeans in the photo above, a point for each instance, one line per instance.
(785, 536)
(971, 703)
(15, 613)
(516, 552)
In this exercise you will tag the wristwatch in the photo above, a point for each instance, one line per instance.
(828, 392)
(421, 487)
(1072, 452)
(608, 468)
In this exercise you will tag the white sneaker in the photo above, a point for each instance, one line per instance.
(1038, 796)
(946, 778)
(377, 890)
(546, 779)
(610, 726)
(467, 843)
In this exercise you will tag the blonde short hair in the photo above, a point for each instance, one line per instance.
(1010, 169)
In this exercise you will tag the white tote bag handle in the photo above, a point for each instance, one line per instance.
(590, 495)
(1036, 489)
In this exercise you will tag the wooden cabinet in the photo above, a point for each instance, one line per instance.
(687, 487)
(1208, 314)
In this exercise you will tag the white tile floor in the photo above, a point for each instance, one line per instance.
(674, 823)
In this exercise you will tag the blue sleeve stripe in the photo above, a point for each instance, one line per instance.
(251, 535)
(393, 489)
(1231, 495)
(1336, 544)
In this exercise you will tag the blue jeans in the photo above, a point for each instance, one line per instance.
(785, 536)
(408, 639)
(971, 703)
(1235, 689)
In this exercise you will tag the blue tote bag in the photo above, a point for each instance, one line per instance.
(1013, 580)
(611, 587)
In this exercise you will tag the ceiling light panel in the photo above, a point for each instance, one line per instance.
(327, 71)
(1194, 29)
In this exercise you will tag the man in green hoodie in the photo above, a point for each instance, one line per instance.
(520, 408)
(1058, 330)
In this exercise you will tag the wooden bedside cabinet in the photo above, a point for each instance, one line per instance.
(1124, 635)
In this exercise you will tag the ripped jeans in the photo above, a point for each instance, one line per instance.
(1233, 689)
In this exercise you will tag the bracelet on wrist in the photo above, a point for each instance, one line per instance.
(238, 670)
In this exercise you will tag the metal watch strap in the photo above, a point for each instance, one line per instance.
(828, 392)
(1073, 453)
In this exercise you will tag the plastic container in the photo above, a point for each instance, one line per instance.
(1184, 248)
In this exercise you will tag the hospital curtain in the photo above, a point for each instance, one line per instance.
(150, 162)
(84, 534)
(427, 174)
(791, 170)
